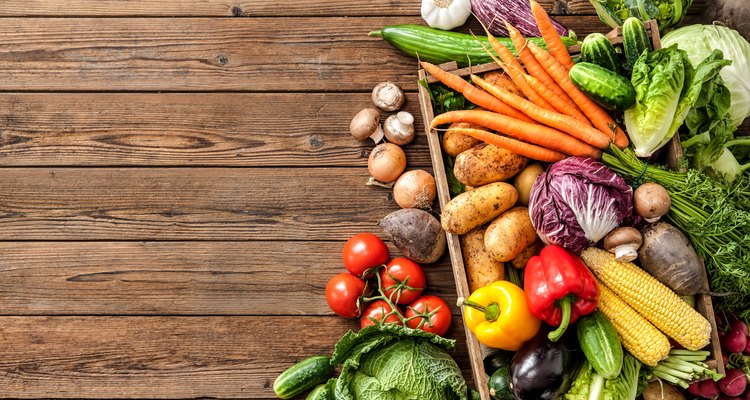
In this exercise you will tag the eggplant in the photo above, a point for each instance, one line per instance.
(544, 370)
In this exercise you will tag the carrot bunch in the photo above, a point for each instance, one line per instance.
(553, 120)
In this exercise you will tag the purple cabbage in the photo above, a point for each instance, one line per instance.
(494, 13)
(577, 202)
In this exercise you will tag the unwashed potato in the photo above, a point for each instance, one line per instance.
(416, 233)
(485, 163)
(500, 78)
(509, 234)
(481, 269)
(520, 261)
(471, 209)
(455, 143)
(662, 391)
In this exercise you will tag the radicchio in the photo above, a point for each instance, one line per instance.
(577, 202)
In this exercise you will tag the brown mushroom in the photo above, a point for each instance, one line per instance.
(624, 242)
(651, 201)
(387, 96)
(366, 124)
(399, 128)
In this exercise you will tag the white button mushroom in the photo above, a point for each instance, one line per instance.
(399, 128)
(387, 96)
(651, 201)
(366, 125)
(624, 242)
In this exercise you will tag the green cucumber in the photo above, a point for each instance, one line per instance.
(499, 381)
(597, 49)
(600, 344)
(610, 89)
(319, 393)
(438, 46)
(303, 376)
(635, 40)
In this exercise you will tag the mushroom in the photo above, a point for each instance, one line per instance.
(624, 242)
(366, 125)
(651, 201)
(399, 128)
(388, 96)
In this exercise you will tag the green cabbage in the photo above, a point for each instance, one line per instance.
(667, 13)
(700, 40)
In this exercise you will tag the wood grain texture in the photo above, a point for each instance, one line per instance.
(161, 357)
(195, 129)
(178, 278)
(189, 203)
(209, 54)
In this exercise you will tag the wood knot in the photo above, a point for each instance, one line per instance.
(222, 59)
(560, 7)
(315, 142)
(237, 11)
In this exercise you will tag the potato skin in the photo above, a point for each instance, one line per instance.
(519, 261)
(500, 78)
(455, 143)
(485, 163)
(481, 269)
(477, 207)
(509, 234)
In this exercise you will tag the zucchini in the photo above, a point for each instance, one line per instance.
(610, 89)
(303, 376)
(496, 360)
(601, 345)
(438, 46)
(597, 49)
(319, 393)
(635, 40)
(499, 382)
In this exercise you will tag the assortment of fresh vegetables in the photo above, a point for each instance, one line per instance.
(667, 13)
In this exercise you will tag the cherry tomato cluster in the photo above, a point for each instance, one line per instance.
(400, 282)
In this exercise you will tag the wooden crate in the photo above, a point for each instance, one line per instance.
(672, 155)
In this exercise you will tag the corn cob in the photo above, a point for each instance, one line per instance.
(639, 337)
(661, 306)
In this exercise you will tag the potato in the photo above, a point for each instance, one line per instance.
(654, 392)
(485, 163)
(525, 180)
(520, 261)
(455, 143)
(500, 78)
(416, 233)
(509, 234)
(471, 209)
(481, 269)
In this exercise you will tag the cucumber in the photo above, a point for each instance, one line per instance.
(319, 393)
(600, 344)
(303, 376)
(635, 40)
(438, 46)
(610, 89)
(597, 49)
(499, 382)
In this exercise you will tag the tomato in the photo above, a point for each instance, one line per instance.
(343, 294)
(403, 276)
(375, 311)
(362, 252)
(435, 313)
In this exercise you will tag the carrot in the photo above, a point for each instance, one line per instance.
(534, 68)
(558, 103)
(555, 45)
(516, 72)
(528, 132)
(515, 146)
(474, 95)
(564, 123)
(595, 114)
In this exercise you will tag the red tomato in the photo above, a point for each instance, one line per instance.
(403, 276)
(363, 252)
(343, 294)
(375, 312)
(435, 313)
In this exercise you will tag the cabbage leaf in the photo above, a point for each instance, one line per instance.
(667, 13)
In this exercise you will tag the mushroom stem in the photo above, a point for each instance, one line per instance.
(626, 252)
(377, 136)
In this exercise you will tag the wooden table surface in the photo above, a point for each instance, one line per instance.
(177, 184)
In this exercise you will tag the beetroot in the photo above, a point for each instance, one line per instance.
(708, 389)
(739, 326)
(734, 383)
(747, 348)
(735, 341)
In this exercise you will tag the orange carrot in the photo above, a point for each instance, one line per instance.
(528, 132)
(522, 148)
(534, 68)
(564, 123)
(559, 104)
(593, 111)
(474, 95)
(555, 45)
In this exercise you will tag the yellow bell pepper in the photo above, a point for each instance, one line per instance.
(499, 316)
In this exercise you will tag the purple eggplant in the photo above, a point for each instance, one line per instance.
(494, 13)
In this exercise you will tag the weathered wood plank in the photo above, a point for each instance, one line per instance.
(209, 54)
(185, 278)
(239, 8)
(189, 203)
(203, 129)
(161, 357)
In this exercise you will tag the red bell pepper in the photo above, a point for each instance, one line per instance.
(559, 288)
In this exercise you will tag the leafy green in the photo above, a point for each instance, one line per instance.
(391, 362)
(590, 385)
(667, 13)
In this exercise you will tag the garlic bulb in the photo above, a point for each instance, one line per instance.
(445, 14)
